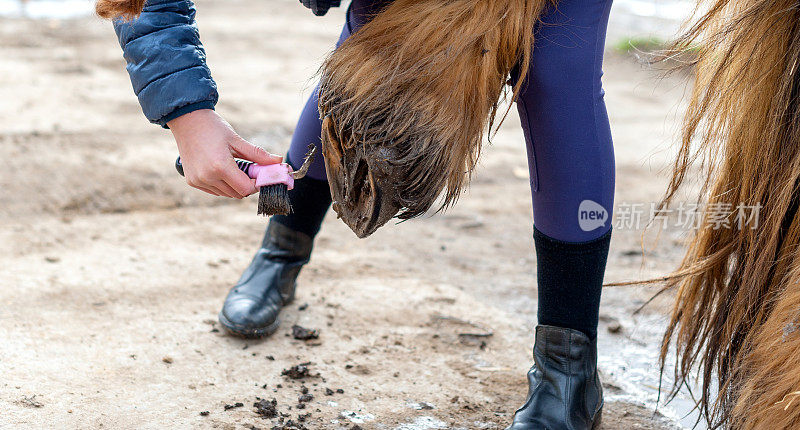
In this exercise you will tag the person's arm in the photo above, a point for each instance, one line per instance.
(167, 67)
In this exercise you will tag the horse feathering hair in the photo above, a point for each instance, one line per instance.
(736, 318)
(406, 101)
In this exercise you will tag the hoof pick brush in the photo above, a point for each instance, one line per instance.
(274, 182)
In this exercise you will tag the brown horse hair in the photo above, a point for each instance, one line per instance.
(736, 318)
(425, 77)
(113, 9)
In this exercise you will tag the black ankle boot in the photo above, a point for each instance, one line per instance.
(564, 391)
(252, 306)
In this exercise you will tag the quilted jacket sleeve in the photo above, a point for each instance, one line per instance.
(166, 61)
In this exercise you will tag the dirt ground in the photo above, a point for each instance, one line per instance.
(114, 270)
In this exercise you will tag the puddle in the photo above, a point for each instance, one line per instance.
(634, 368)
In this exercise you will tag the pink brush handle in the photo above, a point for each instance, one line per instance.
(271, 174)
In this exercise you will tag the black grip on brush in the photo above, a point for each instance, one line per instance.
(243, 165)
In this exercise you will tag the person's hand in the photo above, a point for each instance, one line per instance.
(207, 145)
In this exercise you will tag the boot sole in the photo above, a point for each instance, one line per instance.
(248, 332)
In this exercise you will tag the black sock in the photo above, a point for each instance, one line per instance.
(570, 280)
(310, 199)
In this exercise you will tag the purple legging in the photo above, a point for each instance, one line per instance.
(563, 115)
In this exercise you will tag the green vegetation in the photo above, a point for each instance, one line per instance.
(640, 44)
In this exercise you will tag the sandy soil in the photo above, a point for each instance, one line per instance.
(114, 270)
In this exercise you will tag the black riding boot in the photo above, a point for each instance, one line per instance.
(252, 306)
(564, 391)
(267, 285)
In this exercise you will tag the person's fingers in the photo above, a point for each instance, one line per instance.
(212, 177)
(209, 191)
(195, 183)
(244, 149)
(226, 190)
(211, 187)
(240, 182)
(202, 188)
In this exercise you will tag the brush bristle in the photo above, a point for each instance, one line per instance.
(274, 200)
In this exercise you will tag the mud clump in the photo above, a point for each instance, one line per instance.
(266, 409)
(233, 406)
(302, 333)
(299, 371)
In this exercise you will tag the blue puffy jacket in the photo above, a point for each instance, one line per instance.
(166, 61)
